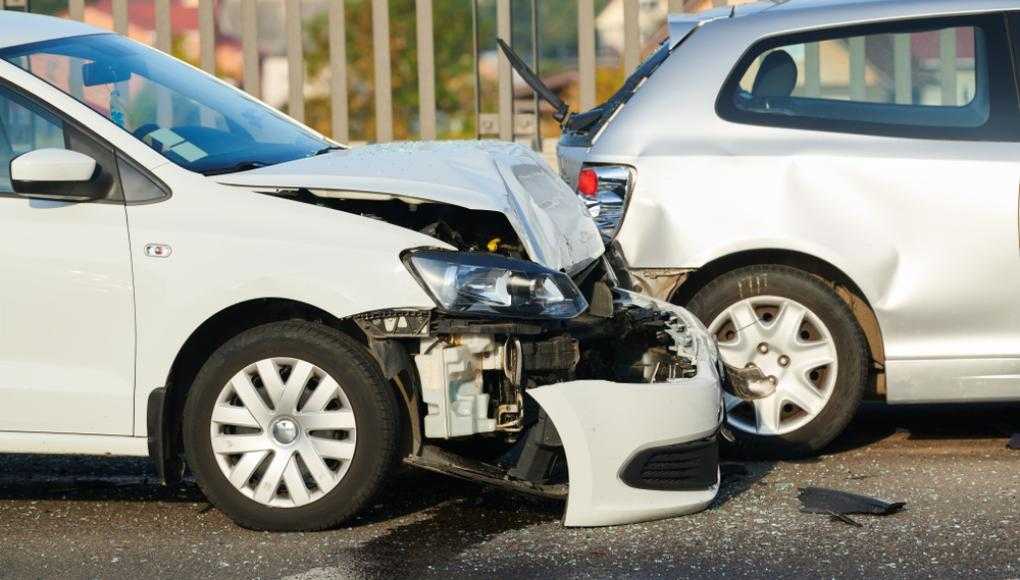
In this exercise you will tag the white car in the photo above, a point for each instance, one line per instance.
(185, 273)
(832, 186)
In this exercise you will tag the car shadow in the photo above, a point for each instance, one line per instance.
(450, 517)
(876, 422)
(411, 491)
(82, 478)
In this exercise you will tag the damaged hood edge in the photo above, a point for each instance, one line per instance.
(491, 176)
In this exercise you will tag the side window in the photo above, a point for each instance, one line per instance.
(937, 79)
(24, 127)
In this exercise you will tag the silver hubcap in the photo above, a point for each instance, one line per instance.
(792, 347)
(283, 432)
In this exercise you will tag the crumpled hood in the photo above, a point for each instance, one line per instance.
(508, 178)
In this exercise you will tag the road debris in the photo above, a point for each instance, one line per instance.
(820, 500)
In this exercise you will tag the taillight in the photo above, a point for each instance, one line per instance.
(588, 183)
(605, 189)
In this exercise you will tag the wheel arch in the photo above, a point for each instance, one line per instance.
(166, 405)
(842, 283)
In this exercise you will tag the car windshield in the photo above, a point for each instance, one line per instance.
(187, 116)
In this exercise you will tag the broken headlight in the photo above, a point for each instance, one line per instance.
(489, 285)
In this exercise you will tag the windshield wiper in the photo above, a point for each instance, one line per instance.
(241, 166)
(560, 109)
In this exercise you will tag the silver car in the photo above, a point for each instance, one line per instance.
(833, 188)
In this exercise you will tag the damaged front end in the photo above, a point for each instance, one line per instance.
(529, 380)
(535, 371)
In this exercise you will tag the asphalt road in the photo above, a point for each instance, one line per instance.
(74, 517)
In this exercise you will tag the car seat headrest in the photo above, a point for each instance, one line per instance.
(777, 76)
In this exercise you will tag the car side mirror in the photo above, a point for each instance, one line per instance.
(59, 174)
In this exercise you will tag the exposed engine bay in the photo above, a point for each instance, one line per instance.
(529, 379)
(464, 229)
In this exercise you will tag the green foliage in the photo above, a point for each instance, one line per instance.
(453, 58)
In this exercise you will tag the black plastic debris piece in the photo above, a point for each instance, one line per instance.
(1014, 442)
(819, 500)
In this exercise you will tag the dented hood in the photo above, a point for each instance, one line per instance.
(508, 178)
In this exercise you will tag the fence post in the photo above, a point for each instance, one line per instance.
(250, 47)
(586, 52)
(164, 103)
(426, 70)
(338, 71)
(120, 16)
(163, 38)
(813, 69)
(631, 35)
(207, 36)
(76, 9)
(901, 69)
(858, 69)
(207, 49)
(947, 50)
(295, 61)
(383, 83)
(506, 89)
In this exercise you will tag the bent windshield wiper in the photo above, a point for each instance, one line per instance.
(560, 109)
(241, 166)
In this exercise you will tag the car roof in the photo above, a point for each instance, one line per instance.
(775, 16)
(821, 11)
(900, 8)
(17, 28)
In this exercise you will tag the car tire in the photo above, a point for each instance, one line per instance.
(754, 313)
(337, 443)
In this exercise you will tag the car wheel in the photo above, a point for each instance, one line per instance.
(290, 427)
(799, 332)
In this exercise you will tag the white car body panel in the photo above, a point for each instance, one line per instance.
(348, 264)
(590, 417)
(898, 216)
(552, 223)
(67, 331)
(73, 444)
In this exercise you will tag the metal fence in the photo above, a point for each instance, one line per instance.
(503, 122)
(383, 93)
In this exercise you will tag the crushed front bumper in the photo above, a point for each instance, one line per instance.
(612, 430)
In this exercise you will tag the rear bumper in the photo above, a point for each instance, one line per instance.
(611, 430)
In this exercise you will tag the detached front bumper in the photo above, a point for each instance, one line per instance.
(636, 434)
(637, 452)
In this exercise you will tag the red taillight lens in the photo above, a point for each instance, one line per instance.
(588, 183)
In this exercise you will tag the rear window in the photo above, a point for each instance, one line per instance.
(933, 78)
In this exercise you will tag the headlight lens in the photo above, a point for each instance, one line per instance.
(488, 285)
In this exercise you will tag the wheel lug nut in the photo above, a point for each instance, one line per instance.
(773, 381)
(784, 361)
(763, 348)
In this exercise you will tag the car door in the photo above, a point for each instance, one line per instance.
(899, 161)
(66, 297)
